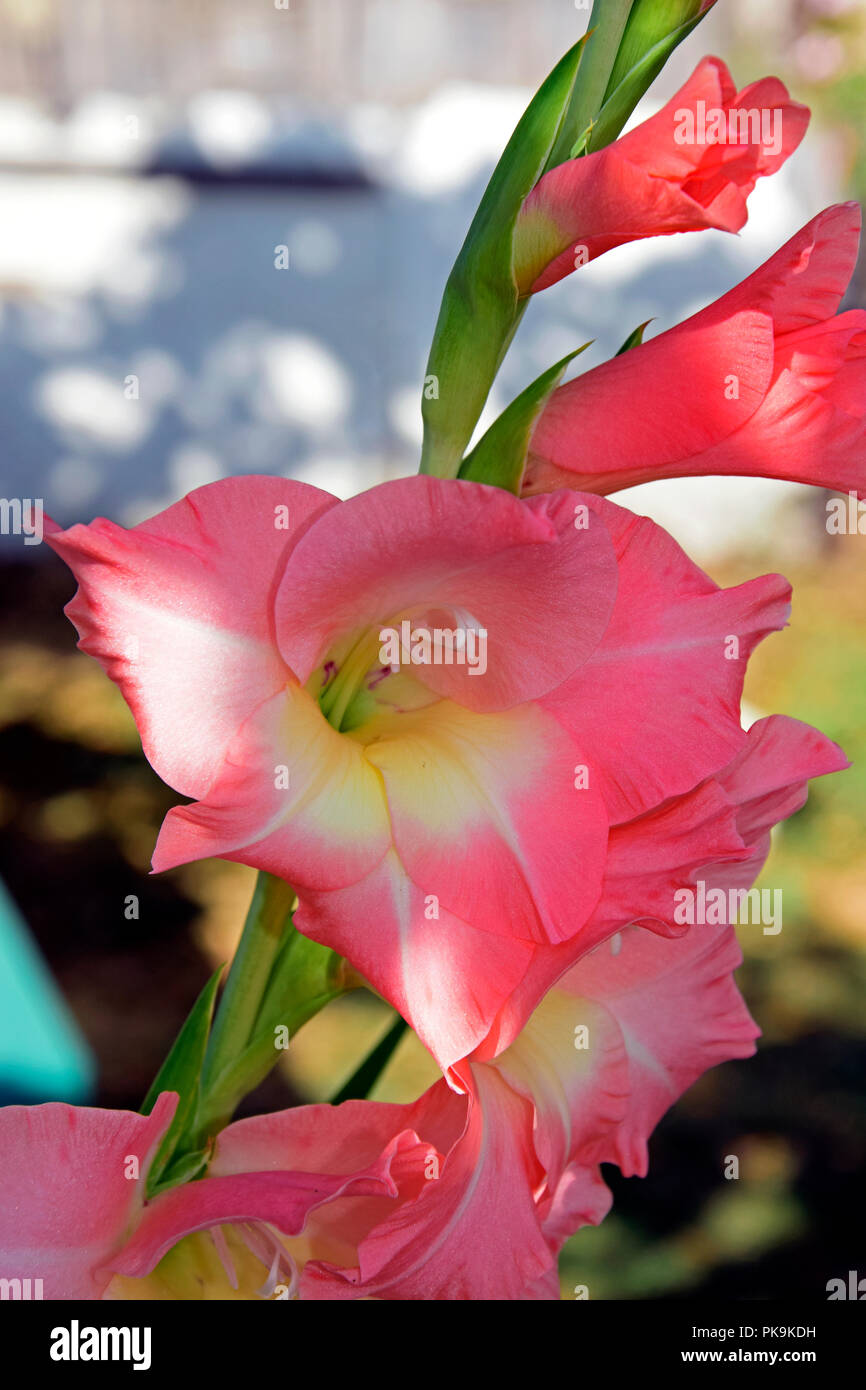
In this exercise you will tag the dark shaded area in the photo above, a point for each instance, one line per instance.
(263, 176)
(812, 1095)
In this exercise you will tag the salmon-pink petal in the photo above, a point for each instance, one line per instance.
(487, 817)
(178, 611)
(333, 1140)
(658, 702)
(802, 284)
(674, 1000)
(570, 1061)
(409, 1141)
(696, 165)
(763, 382)
(73, 1183)
(328, 1171)
(473, 1232)
(466, 555)
(281, 1199)
(652, 857)
(649, 860)
(679, 1012)
(767, 781)
(447, 978)
(581, 1198)
(802, 434)
(718, 833)
(293, 797)
(618, 1040)
(654, 180)
(656, 418)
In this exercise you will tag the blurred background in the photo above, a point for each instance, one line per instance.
(225, 231)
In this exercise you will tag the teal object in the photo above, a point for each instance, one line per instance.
(43, 1055)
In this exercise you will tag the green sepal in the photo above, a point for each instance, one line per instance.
(181, 1072)
(647, 44)
(635, 338)
(603, 39)
(480, 308)
(499, 457)
(650, 23)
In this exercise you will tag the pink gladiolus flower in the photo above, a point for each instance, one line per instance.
(692, 165)
(768, 381)
(459, 1195)
(74, 1179)
(445, 830)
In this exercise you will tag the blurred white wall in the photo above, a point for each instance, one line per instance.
(149, 342)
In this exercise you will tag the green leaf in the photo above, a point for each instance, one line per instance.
(480, 309)
(499, 456)
(635, 338)
(654, 31)
(180, 1072)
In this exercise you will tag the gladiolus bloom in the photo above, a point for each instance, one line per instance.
(463, 1194)
(691, 166)
(440, 827)
(768, 381)
(75, 1178)
(456, 1196)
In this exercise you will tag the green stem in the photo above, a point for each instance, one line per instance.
(263, 934)
(241, 1076)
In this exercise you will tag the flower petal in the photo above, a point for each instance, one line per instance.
(447, 978)
(679, 1012)
(486, 815)
(73, 1180)
(658, 702)
(719, 833)
(656, 179)
(759, 384)
(473, 1231)
(293, 797)
(475, 554)
(657, 421)
(180, 617)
